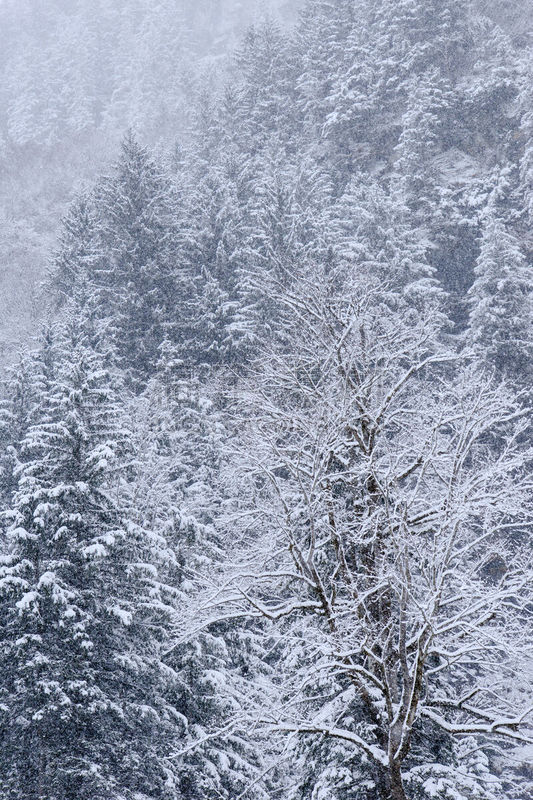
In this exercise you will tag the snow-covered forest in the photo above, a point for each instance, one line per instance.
(265, 407)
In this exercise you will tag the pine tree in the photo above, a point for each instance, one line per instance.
(23, 393)
(373, 236)
(287, 226)
(179, 438)
(416, 175)
(353, 106)
(84, 697)
(221, 333)
(16, 407)
(322, 41)
(79, 255)
(157, 55)
(487, 98)
(501, 303)
(146, 275)
(23, 109)
(266, 88)
(526, 136)
(416, 35)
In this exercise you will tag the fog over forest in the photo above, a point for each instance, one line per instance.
(74, 76)
(266, 361)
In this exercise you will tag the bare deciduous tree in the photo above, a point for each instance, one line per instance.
(389, 519)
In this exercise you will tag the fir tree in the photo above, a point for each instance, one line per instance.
(373, 236)
(82, 614)
(526, 137)
(178, 491)
(79, 253)
(16, 407)
(322, 42)
(416, 174)
(221, 334)
(146, 275)
(266, 88)
(501, 303)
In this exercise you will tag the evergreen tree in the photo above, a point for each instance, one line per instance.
(266, 88)
(177, 490)
(84, 697)
(323, 43)
(16, 407)
(287, 227)
(501, 303)
(416, 175)
(526, 136)
(157, 53)
(487, 98)
(221, 334)
(146, 275)
(22, 123)
(79, 254)
(23, 393)
(416, 35)
(353, 105)
(373, 236)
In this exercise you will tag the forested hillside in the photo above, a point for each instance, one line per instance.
(265, 472)
(74, 76)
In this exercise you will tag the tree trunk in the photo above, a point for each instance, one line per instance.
(389, 783)
(397, 791)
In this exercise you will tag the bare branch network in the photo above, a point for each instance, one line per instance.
(389, 514)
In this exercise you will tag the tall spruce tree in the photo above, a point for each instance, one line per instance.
(146, 275)
(16, 407)
(501, 303)
(79, 253)
(373, 235)
(526, 136)
(222, 334)
(416, 174)
(84, 696)
(266, 88)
